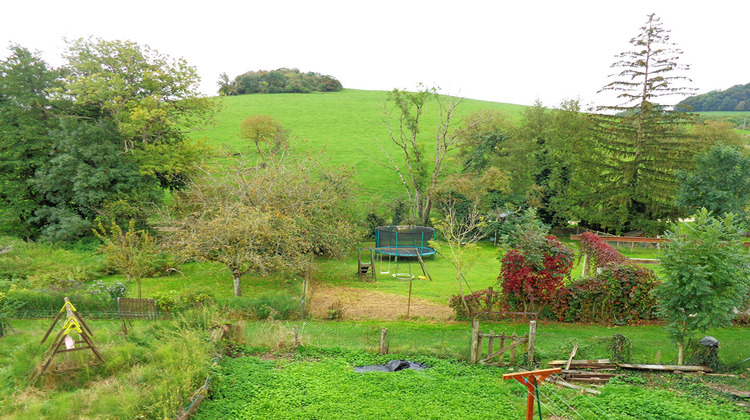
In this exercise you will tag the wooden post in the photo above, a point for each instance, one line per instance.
(501, 357)
(408, 304)
(474, 340)
(490, 343)
(532, 340)
(383, 342)
(513, 339)
(296, 337)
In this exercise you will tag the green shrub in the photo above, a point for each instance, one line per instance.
(275, 306)
(617, 294)
(173, 302)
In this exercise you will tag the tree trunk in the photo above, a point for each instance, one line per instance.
(237, 285)
(680, 353)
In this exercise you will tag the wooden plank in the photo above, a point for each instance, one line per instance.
(516, 343)
(682, 368)
(572, 354)
(561, 382)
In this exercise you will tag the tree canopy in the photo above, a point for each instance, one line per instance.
(281, 80)
(736, 98)
(264, 217)
(109, 126)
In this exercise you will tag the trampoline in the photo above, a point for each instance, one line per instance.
(404, 241)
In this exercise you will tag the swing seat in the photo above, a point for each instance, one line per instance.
(403, 276)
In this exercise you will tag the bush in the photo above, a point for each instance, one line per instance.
(277, 306)
(617, 294)
(538, 286)
(172, 302)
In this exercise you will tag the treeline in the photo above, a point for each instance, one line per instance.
(102, 137)
(736, 98)
(281, 80)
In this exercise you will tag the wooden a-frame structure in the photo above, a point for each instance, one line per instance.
(73, 323)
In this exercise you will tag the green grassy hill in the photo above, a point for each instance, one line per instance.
(346, 126)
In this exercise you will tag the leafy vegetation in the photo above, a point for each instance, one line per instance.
(314, 383)
(281, 80)
(736, 98)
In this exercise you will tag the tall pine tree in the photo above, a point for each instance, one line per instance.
(640, 143)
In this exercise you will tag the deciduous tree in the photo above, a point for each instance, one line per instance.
(27, 114)
(130, 251)
(420, 170)
(720, 183)
(263, 130)
(706, 275)
(265, 217)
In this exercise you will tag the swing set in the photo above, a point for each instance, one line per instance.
(399, 261)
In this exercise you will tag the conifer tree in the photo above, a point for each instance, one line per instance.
(640, 143)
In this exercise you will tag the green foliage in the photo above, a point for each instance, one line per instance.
(131, 252)
(720, 183)
(26, 116)
(276, 306)
(706, 274)
(173, 302)
(616, 294)
(266, 131)
(627, 173)
(736, 98)
(281, 80)
(267, 217)
(151, 97)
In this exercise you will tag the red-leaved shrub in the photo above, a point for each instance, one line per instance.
(538, 286)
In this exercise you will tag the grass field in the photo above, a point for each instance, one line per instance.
(344, 126)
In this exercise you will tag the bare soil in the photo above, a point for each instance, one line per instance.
(361, 304)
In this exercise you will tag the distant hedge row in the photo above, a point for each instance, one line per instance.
(282, 80)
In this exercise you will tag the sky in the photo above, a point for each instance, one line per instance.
(515, 52)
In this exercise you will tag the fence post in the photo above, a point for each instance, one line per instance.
(474, 340)
(296, 337)
(532, 340)
(383, 341)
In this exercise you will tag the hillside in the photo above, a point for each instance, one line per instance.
(736, 98)
(346, 126)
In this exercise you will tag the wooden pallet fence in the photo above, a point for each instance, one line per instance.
(137, 308)
(506, 344)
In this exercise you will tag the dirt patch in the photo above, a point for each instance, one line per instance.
(361, 304)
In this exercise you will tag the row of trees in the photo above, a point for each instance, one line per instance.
(281, 80)
(105, 135)
(736, 98)
(619, 168)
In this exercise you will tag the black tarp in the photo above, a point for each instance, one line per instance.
(392, 366)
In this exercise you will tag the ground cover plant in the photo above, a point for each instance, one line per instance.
(314, 383)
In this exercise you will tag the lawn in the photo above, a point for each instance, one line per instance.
(346, 127)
